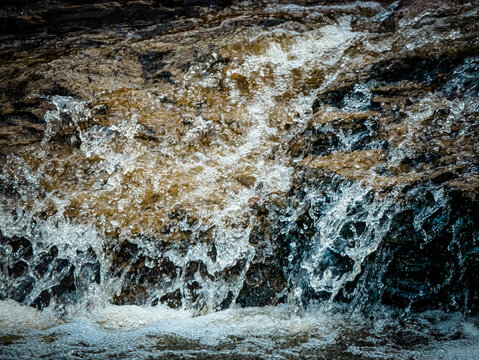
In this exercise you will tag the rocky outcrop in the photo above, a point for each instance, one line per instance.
(25, 18)
(36, 275)
(227, 152)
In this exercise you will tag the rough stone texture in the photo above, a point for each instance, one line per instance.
(36, 276)
(169, 63)
(417, 275)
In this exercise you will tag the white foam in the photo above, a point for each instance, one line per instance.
(133, 316)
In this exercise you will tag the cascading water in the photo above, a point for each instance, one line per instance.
(304, 185)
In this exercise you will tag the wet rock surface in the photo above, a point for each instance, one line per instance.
(230, 153)
(36, 276)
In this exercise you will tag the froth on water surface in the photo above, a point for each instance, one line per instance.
(262, 332)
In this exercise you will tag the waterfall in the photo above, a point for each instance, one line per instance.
(235, 180)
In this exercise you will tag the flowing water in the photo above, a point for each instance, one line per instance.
(276, 198)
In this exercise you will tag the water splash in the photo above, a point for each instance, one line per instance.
(267, 174)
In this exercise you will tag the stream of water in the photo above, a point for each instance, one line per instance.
(259, 205)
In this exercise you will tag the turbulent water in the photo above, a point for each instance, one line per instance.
(283, 181)
(251, 333)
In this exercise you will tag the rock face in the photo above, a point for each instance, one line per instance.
(201, 154)
(26, 18)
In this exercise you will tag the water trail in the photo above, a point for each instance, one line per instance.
(269, 175)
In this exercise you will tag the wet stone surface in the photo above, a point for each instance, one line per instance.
(224, 153)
